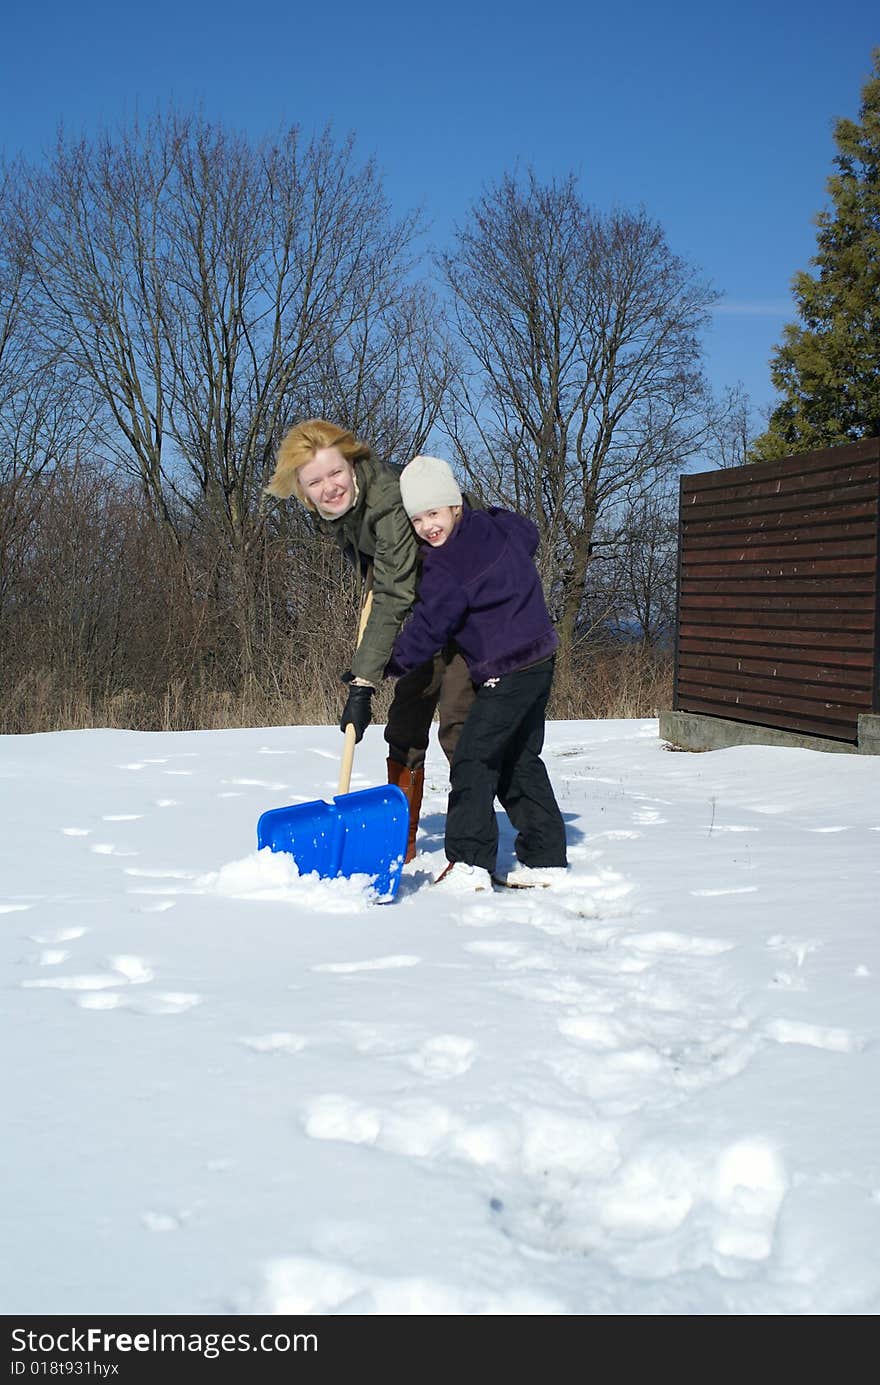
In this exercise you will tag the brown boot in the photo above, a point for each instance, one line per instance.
(412, 783)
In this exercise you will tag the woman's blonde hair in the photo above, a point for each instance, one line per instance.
(299, 445)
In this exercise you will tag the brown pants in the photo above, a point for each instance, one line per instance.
(442, 684)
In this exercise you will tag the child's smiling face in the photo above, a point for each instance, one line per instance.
(435, 526)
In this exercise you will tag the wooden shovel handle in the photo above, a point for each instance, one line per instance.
(348, 748)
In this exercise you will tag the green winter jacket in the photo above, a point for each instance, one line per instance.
(377, 530)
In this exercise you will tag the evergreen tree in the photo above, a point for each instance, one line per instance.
(828, 368)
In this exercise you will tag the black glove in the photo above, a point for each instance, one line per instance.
(357, 709)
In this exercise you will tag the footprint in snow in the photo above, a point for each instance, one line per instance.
(51, 957)
(276, 1043)
(380, 1040)
(798, 949)
(255, 784)
(785, 981)
(163, 1221)
(101, 990)
(157, 1003)
(478, 916)
(594, 1031)
(446, 1055)
(86, 982)
(665, 942)
(135, 971)
(100, 1000)
(124, 970)
(813, 1036)
(662, 1211)
(512, 956)
(301, 1285)
(60, 935)
(372, 964)
(723, 890)
(164, 1003)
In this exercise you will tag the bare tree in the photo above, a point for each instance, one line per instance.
(582, 385)
(732, 429)
(89, 226)
(633, 586)
(389, 375)
(43, 411)
(211, 290)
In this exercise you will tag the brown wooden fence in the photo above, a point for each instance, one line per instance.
(779, 592)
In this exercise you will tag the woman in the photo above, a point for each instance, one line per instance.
(356, 498)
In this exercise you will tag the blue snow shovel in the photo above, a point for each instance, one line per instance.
(362, 833)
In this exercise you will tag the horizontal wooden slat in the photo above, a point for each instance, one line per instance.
(860, 584)
(795, 693)
(792, 622)
(789, 668)
(851, 537)
(760, 648)
(803, 464)
(807, 568)
(811, 726)
(731, 599)
(790, 502)
(778, 635)
(754, 482)
(831, 516)
(847, 658)
(863, 545)
(819, 708)
(834, 719)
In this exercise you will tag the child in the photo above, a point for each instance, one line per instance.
(479, 586)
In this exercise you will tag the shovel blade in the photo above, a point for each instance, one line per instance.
(361, 833)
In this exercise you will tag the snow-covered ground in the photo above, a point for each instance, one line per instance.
(653, 1090)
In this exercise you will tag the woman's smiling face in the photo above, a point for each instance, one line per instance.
(328, 482)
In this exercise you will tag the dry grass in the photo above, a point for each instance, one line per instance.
(628, 682)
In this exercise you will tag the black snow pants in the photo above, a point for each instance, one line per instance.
(499, 756)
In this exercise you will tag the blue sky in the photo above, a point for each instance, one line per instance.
(717, 120)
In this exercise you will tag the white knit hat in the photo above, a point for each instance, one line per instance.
(427, 483)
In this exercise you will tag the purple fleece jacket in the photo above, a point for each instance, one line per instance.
(481, 589)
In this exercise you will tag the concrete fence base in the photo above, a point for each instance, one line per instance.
(693, 731)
